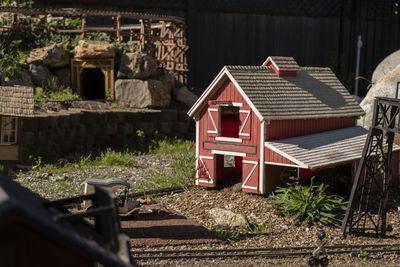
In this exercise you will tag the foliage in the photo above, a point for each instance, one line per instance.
(19, 4)
(113, 158)
(228, 235)
(258, 229)
(182, 174)
(309, 204)
(12, 57)
(174, 145)
(364, 255)
(52, 90)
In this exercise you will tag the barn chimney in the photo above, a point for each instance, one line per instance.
(282, 66)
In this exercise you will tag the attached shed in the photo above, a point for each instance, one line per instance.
(15, 102)
(247, 110)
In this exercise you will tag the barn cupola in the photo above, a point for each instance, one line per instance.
(282, 66)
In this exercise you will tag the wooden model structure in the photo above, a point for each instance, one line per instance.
(161, 37)
(15, 102)
(106, 66)
(272, 118)
(38, 232)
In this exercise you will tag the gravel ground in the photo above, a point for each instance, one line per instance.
(72, 183)
(195, 204)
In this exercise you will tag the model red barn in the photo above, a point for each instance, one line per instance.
(252, 122)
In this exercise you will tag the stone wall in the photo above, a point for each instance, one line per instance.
(70, 132)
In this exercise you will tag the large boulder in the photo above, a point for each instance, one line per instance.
(386, 66)
(52, 56)
(142, 94)
(64, 76)
(228, 218)
(168, 80)
(385, 87)
(94, 49)
(41, 75)
(137, 66)
(186, 97)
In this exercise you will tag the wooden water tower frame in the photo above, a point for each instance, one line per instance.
(106, 65)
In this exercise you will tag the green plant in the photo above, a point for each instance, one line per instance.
(114, 158)
(228, 235)
(109, 95)
(309, 204)
(12, 57)
(258, 229)
(52, 90)
(364, 255)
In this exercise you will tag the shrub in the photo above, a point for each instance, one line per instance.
(309, 204)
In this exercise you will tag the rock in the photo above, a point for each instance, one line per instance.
(168, 80)
(137, 66)
(386, 66)
(94, 49)
(184, 96)
(141, 94)
(386, 87)
(52, 56)
(24, 79)
(228, 218)
(40, 74)
(64, 76)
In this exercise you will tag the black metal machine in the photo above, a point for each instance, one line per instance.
(367, 207)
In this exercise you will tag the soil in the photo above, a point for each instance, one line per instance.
(196, 203)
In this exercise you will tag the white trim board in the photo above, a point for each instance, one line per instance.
(280, 152)
(262, 156)
(210, 181)
(244, 123)
(197, 150)
(230, 153)
(228, 139)
(213, 86)
(251, 173)
(282, 164)
(270, 59)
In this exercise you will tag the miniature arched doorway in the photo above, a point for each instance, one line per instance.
(93, 86)
(86, 77)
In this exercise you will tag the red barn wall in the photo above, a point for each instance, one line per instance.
(280, 129)
(228, 92)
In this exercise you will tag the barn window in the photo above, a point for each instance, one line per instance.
(230, 122)
(8, 130)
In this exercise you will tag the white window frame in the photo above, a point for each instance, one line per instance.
(3, 130)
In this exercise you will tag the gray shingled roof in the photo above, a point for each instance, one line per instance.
(285, 63)
(16, 101)
(314, 93)
(327, 148)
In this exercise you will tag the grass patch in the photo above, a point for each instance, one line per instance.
(182, 174)
(258, 229)
(167, 146)
(107, 158)
(52, 91)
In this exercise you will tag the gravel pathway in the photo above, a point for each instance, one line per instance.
(72, 183)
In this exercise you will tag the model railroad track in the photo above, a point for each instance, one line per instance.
(284, 252)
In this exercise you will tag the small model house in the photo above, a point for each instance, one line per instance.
(255, 122)
(15, 102)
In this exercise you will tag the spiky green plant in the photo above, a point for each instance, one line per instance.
(309, 204)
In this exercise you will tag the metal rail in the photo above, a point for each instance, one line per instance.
(260, 252)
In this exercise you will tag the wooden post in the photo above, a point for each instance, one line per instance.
(119, 37)
(83, 25)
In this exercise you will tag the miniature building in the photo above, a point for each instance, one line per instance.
(92, 77)
(266, 119)
(34, 232)
(15, 102)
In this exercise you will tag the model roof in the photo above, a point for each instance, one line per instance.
(314, 93)
(321, 150)
(283, 63)
(16, 101)
(19, 203)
